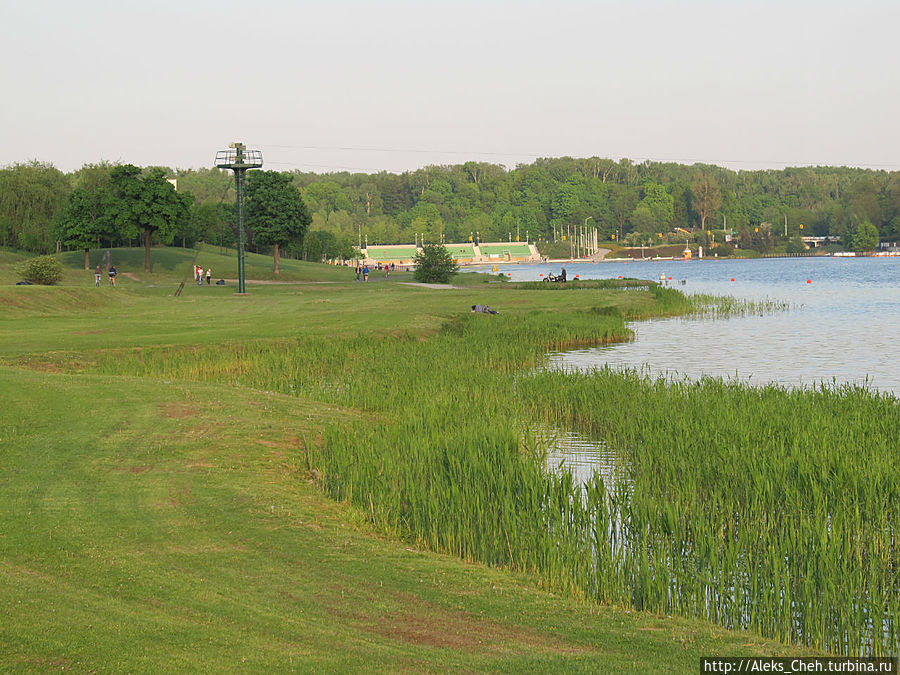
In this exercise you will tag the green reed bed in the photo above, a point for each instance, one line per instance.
(717, 306)
(584, 284)
(771, 509)
(765, 509)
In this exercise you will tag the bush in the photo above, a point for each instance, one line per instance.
(795, 245)
(434, 265)
(42, 269)
(723, 250)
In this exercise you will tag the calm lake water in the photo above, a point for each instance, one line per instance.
(842, 328)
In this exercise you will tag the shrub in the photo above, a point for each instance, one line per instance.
(42, 269)
(434, 264)
(795, 245)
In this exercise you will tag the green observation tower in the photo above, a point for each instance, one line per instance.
(239, 159)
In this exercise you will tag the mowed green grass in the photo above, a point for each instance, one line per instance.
(76, 315)
(169, 527)
(172, 526)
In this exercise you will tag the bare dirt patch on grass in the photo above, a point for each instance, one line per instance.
(291, 443)
(177, 410)
(419, 622)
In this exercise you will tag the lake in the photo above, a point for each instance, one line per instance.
(843, 316)
(841, 328)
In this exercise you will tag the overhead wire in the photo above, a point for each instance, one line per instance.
(492, 153)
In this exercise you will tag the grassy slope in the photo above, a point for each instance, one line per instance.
(168, 526)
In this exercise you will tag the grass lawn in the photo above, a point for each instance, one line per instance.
(169, 526)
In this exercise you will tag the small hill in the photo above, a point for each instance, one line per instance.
(171, 265)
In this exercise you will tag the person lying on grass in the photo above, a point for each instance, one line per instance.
(484, 309)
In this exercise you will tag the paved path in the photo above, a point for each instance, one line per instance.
(416, 283)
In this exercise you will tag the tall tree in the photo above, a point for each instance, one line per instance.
(275, 210)
(624, 199)
(865, 238)
(659, 203)
(707, 198)
(80, 222)
(146, 203)
(30, 195)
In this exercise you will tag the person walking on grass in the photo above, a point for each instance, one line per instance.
(365, 273)
(208, 275)
(97, 275)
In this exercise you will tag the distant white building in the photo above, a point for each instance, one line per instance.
(815, 242)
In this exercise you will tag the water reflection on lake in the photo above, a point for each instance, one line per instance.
(842, 328)
(581, 455)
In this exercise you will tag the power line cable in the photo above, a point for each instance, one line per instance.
(471, 153)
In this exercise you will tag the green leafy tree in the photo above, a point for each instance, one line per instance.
(434, 265)
(707, 197)
(564, 202)
(659, 205)
(643, 219)
(30, 195)
(624, 200)
(275, 210)
(80, 223)
(145, 203)
(866, 238)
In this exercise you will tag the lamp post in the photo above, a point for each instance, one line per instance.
(235, 159)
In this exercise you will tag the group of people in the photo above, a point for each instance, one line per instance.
(364, 270)
(98, 274)
(198, 275)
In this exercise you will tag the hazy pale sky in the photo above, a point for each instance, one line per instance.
(395, 85)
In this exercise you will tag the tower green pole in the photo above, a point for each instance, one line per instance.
(239, 197)
(234, 159)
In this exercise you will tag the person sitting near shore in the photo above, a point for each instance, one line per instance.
(484, 309)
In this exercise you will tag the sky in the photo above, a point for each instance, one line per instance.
(347, 85)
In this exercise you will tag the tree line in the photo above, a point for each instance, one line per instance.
(42, 208)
